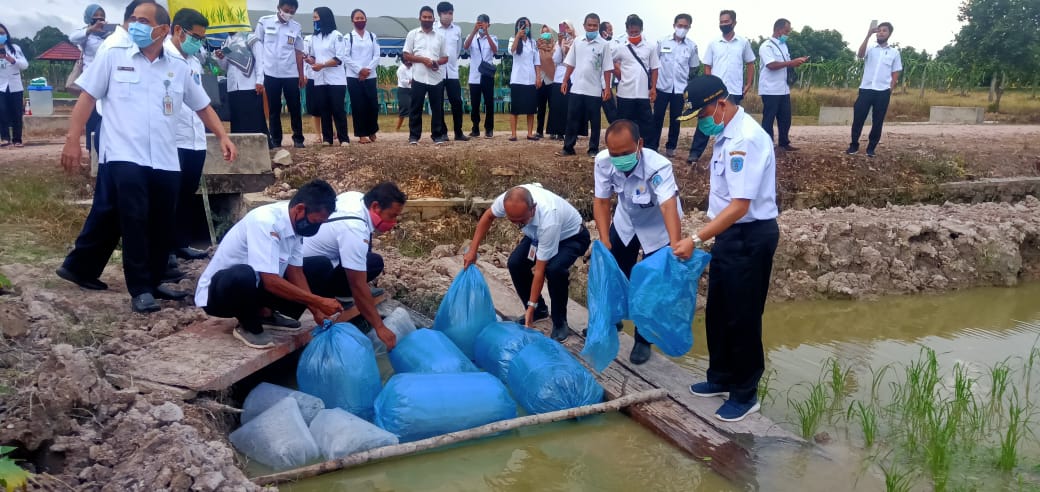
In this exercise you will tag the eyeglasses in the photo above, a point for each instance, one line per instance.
(196, 36)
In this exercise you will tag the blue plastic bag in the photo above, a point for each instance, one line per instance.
(465, 310)
(417, 406)
(608, 305)
(545, 377)
(339, 366)
(498, 343)
(663, 297)
(429, 351)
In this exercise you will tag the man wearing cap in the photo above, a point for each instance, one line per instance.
(742, 211)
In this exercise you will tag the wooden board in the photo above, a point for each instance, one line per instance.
(206, 357)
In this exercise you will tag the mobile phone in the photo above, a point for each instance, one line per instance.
(109, 28)
(561, 27)
(873, 24)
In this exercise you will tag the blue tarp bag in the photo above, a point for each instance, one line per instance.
(417, 406)
(663, 297)
(465, 310)
(545, 377)
(498, 343)
(339, 366)
(608, 305)
(428, 351)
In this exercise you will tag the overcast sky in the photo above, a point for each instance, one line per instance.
(924, 24)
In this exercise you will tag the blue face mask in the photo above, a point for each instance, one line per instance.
(141, 34)
(3, 38)
(591, 35)
(625, 163)
(317, 26)
(708, 126)
(190, 46)
(783, 39)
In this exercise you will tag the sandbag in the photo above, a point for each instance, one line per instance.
(608, 305)
(498, 343)
(417, 406)
(278, 437)
(399, 322)
(465, 310)
(267, 394)
(544, 377)
(339, 433)
(429, 351)
(339, 366)
(663, 298)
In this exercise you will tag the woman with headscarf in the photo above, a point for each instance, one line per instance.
(88, 38)
(361, 61)
(546, 45)
(524, 80)
(330, 81)
(557, 124)
(12, 62)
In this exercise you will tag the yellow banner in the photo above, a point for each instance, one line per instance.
(223, 15)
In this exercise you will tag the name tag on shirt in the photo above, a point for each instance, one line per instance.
(666, 49)
(125, 69)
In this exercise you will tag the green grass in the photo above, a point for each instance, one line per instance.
(1012, 436)
(36, 219)
(812, 410)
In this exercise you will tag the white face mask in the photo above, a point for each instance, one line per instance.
(681, 32)
(283, 16)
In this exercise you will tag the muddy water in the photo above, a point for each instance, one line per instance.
(980, 327)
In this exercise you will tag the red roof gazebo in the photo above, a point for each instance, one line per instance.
(63, 51)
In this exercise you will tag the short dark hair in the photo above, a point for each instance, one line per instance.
(623, 124)
(189, 18)
(444, 7)
(292, 3)
(732, 15)
(888, 25)
(683, 16)
(591, 15)
(386, 194)
(425, 8)
(131, 7)
(162, 16)
(317, 195)
(780, 23)
(483, 18)
(633, 20)
(355, 12)
(603, 26)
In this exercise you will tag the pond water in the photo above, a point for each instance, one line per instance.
(979, 328)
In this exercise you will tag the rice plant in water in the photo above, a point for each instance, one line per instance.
(868, 420)
(1016, 426)
(840, 379)
(812, 410)
(897, 480)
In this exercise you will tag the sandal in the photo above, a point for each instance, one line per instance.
(512, 139)
(19, 145)
(5, 144)
(533, 138)
(365, 140)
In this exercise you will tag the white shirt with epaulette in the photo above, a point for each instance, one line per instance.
(427, 45)
(727, 60)
(324, 48)
(362, 52)
(881, 62)
(677, 58)
(344, 241)
(634, 82)
(554, 220)
(640, 195)
(280, 43)
(191, 133)
(589, 59)
(743, 165)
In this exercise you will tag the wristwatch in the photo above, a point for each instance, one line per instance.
(532, 304)
(697, 243)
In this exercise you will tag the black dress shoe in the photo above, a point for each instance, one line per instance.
(189, 253)
(474, 133)
(144, 303)
(298, 145)
(461, 138)
(172, 275)
(171, 261)
(86, 283)
(640, 353)
(560, 333)
(169, 293)
(789, 148)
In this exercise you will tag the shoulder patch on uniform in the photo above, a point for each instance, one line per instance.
(738, 152)
(736, 164)
(657, 180)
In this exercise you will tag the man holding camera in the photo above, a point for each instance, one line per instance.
(774, 83)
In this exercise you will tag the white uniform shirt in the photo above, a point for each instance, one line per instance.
(307, 70)
(554, 220)
(191, 133)
(727, 60)
(479, 49)
(236, 78)
(280, 43)
(589, 59)
(881, 62)
(11, 73)
(88, 43)
(120, 38)
(635, 82)
(264, 239)
(325, 48)
(525, 71)
(640, 195)
(346, 241)
(677, 58)
(361, 52)
(743, 166)
(135, 127)
(404, 76)
(561, 69)
(428, 45)
(452, 46)
(773, 82)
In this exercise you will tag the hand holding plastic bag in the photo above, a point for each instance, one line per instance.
(663, 298)
(608, 305)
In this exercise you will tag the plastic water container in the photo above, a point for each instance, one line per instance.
(41, 100)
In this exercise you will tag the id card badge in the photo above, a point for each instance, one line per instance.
(167, 101)
(532, 253)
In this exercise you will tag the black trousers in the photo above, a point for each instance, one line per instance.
(485, 91)
(557, 272)
(436, 94)
(135, 203)
(610, 108)
(326, 280)
(777, 108)
(247, 112)
(626, 256)
(11, 111)
(93, 132)
(330, 100)
(582, 110)
(869, 100)
(738, 282)
(638, 111)
(673, 103)
(192, 162)
(404, 101)
(364, 106)
(453, 91)
(290, 88)
(700, 140)
(557, 124)
(543, 99)
(238, 292)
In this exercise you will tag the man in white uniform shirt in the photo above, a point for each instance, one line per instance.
(452, 35)
(679, 62)
(648, 214)
(424, 48)
(587, 83)
(338, 261)
(731, 59)
(281, 61)
(482, 47)
(880, 75)
(742, 219)
(144, 88)
(772, 83)
(635, 65)
(554, 238)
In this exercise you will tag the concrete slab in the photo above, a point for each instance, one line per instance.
(957, 115)
(55, 124)
(837, 115)
(253, 155)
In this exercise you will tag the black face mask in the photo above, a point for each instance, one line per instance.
(306, 228)
(726, 29)
(426, 25)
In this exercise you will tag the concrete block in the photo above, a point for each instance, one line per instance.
(55, 124)
(837, 115)
(957, 115)
(253, 155)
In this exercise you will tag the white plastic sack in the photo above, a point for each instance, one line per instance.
(340, 433)
(399, 322)
(267, 394)
(278, 438)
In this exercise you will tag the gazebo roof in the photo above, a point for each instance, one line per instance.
(63, 51)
